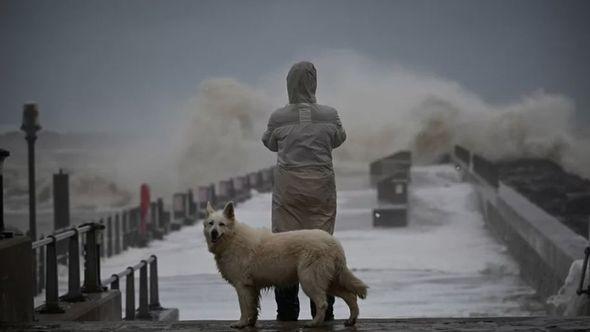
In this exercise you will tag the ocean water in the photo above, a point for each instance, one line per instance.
(445, 263)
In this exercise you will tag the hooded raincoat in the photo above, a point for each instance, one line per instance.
(303, 134)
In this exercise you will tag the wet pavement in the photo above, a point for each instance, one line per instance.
(520, 324)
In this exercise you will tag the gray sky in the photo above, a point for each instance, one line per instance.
(125, 65)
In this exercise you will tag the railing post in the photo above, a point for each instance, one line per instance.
(115, 282)
(154, 290)
(92, 260)
(132, 228)
(137, 226)
(125, 224)
(74, 291)
(109, 236)
(101, 239)
(40, 265)
(143, 311)
(130, 295)
(161, 220)
(117, 235)
(51, 288)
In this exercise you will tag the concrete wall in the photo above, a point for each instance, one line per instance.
(98, 307)
(16, 279)
(543, 246)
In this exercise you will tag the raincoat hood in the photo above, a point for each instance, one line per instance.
(302, 83)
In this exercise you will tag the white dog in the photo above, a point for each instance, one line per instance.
(253, 259)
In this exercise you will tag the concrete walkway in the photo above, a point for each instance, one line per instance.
(520, 324)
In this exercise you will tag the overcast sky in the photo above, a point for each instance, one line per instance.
(125, 65)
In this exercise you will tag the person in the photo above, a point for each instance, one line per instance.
(303, 133)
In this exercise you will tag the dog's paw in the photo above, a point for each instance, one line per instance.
(239, 324)
(350, 322)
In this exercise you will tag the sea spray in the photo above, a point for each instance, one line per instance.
(567, 302)
(384, 107)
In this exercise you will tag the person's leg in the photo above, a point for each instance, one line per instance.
(287, 303)
(329, 310)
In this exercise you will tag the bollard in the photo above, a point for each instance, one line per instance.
(101, 240)
(92, 282)
(115, 282)
(61, 201)
(74, 292)
(192, 207)
(145, 221)
(51, 287)
(213, 197)
(61, 208)
(109, 236)
(3, 155)
(143, 311)
(160, 213)
(131, 228)
(154, 216)
(236, 183)
(154, 290)
(130, 295)
(154, 226)
(117, 235)
(41, 266)
(138, 227)
(125, 224)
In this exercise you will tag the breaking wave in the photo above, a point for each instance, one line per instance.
(384, 108)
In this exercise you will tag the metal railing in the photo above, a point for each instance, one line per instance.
(116, 233)
(120, 231)
(145, 305)
(92, 283)
(91, 265)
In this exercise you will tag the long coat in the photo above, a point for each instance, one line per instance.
(303, 134)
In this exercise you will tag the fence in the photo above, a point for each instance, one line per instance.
(92, 283)
(91, 265)
(145, 305)
(119, 231)
(122, 230)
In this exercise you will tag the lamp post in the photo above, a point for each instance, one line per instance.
(31, 126)
(3, 155)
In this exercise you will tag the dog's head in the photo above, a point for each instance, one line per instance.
(218, 225)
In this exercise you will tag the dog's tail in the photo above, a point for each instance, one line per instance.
(351, 283)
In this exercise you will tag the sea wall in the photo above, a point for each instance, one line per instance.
(543, 246)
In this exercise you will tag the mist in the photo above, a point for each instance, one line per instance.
(384, 107)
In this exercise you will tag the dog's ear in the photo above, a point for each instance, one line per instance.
(228, 210)
(210, 208)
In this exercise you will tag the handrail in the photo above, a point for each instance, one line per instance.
(129, 273)
(128, 270)
(122, 230)
(92, 283)
(91, 265)
(64, 234)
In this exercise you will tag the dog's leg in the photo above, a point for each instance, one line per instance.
(247, 298)
(252, 297)
(317, 294)
(350, 299)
